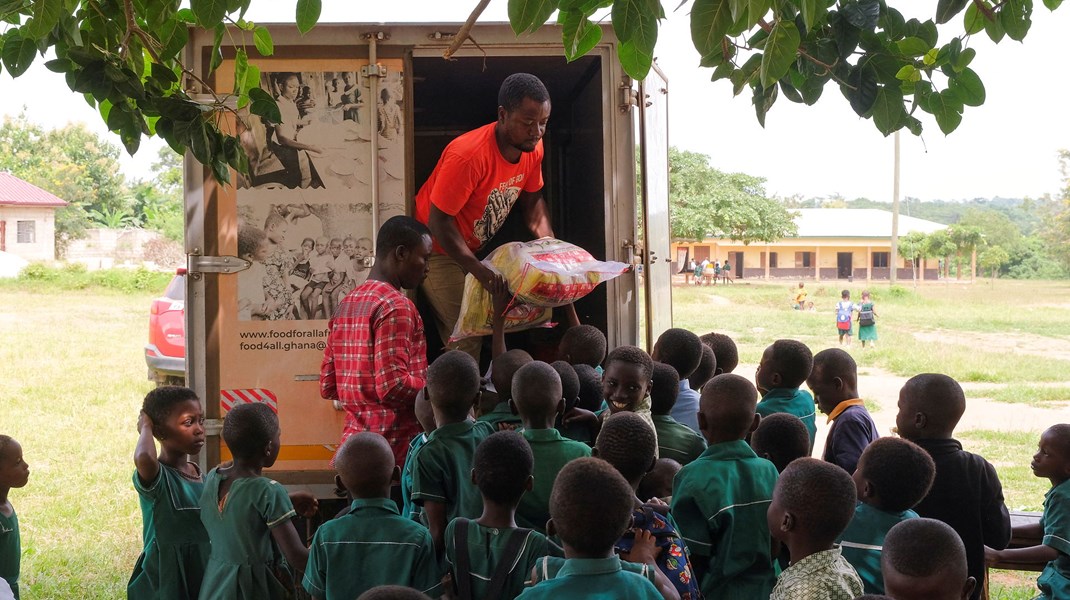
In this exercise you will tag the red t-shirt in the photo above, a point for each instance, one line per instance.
(477, 186)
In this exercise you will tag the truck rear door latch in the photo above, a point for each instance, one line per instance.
(199, 264)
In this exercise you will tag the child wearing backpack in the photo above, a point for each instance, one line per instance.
(844, 308)
(867, 321)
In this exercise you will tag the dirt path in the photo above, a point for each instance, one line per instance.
(1049, 347)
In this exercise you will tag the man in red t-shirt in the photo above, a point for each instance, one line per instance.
(480, 176)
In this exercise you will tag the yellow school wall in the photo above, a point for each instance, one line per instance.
(825, 249)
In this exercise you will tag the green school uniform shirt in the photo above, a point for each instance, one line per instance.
(10, 551)
(862, 541)
(676, 440)
(1054, 581)
(719, 502)
(485, 548)
(501, 414)
(243, 557)
(443, 469)
(408, 509)
(176, 548)
(793, 401)
(593, 579)
(551, 452)
(823, 575)
(369, 546)
(548, 567)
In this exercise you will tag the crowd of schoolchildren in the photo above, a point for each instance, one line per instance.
(624, 475)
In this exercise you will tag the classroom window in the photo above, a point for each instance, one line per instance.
(804, 259)
(880, 260)
(26, 232)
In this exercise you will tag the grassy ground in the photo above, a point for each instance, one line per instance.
(74, 377)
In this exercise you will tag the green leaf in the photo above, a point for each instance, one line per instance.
(863, 90)
(723, 71)
(46, 14)
(763, 100)
(710, 21)
(262, 38)
(18, 53)
(780, 52)
(746, 73)
(209, 13)
(634, 59)
(908, 73)
(241, 64)
(892, 23)
(964, 59)
(526, 16)
(790, 92)
(944, 109)
(930, 57)
(888, 111)
(216, 55)
(967, 86)
(308, 13)
(578, 34)
(1016, 18)
(974, 21)
(809, 9)
(264, 106)
(252, 79)
(844, 34)
(914, 125)
(59, 65)
(928, 32)
(163, 74)
(863, 14)
(913, 46)
(173, 35)
(947, 9)
(1052, 4)
(994, 29)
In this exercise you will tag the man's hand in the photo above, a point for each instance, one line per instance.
(304, 503)
(486, 276)
(501, 296)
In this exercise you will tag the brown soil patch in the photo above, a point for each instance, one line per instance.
(1050, 347)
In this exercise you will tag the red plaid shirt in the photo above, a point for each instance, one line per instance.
(375, 362)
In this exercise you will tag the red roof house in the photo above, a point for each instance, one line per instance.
(27, 219)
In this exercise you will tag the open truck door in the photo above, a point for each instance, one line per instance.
(656, 258)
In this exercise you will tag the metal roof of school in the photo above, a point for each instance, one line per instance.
(856, 222)
(16, 192)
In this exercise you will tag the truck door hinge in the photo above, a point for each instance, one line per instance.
(629, 96)
(375, 70)
(198, 264)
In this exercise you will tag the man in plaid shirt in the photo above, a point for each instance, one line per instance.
(375, 360)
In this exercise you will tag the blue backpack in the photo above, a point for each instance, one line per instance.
(843, 317)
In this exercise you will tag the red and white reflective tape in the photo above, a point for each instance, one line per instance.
(231, 398)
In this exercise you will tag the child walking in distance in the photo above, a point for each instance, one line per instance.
(441, 483)
(781, 438)
(844, 309)
(537, 397)
(924, 559)
(893, 475)
(681, 350)
(834, 381)
(244, 512)
(966, 492)
(169, 489)
(14, 473)
(719, 500)
(784, 367)
(1052, 461)
(867, 321)
(675, 440)
(371, 544)
(490, 558)
(812, 504)
(590, 509)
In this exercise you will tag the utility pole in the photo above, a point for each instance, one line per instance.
(893, 258)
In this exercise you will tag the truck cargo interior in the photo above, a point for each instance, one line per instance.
(450, 98)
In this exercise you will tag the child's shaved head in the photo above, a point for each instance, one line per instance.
(502, 370)
(365, 464)
(583, 345)
(680, 349)
(930, 406)
(924, 559)
(453, 383)
(819, 496)
(536, 390)
(629, 444)
(726, 408)
(590, 506)
(658, 482)
(664, 387)
(570, 382)
(781, 438)
(725, 351)
(706, 367)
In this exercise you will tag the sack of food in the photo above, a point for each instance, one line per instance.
(541, 274)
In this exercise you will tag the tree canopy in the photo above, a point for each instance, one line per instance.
(887, 57)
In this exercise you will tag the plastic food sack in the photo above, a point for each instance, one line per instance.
(541, 274)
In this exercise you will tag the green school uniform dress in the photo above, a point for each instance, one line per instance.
(548, 567)
(10, 551)
(593, 579)
(823, 575)
(863, 539)
(551, 452)
(486, 545)
(243, 556)
(676, 440)
(176, 549)
(370, 545)
(500, 414)
(1054, 581)
(867, 333)
(793, 401)
(408, 509)
(719, 502)
(443, 469)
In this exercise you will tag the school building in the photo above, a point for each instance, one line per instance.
(27, 219)
(831, 243)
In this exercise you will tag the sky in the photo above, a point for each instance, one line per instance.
(1007, 147)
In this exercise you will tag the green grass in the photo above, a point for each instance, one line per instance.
(1038, 396)
(1010, 452)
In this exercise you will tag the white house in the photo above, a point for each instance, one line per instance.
(27, 219)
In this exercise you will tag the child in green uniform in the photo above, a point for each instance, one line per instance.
(1052, 461)
(537, 397)
(14, 473)
(590, 508)
(490, 558)
(625, 385)
(426, 416)
(892, 476)
(169, 489)
(244, 512)
(719, 500)
(371, 544)
(867, 321)
(924, 559)
(784, 367)
(658, 482)
(570, 391)
(675, 440)
(813, 502)
(440, 479)
(502, 369)
(781, 438)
